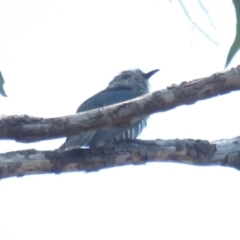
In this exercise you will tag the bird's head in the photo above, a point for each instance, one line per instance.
(132, 79)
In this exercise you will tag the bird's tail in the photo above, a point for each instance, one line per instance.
(77, 141)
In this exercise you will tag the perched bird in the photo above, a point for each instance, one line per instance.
(127, 85)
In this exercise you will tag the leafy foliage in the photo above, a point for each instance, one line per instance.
(1, 85)
(236, 43)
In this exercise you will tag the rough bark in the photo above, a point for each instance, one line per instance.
(28, 129)
(196, 152)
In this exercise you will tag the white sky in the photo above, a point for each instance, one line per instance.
(56, 54)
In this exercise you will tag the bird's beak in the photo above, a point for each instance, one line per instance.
(148, 75)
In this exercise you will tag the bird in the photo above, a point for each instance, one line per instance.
(127, 85)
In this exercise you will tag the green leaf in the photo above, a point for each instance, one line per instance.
(236, 44)
(1, 85)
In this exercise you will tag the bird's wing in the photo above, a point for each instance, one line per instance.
(101, 99)
(108, 97)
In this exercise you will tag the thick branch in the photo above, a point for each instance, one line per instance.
(196, 152)
(28, 129)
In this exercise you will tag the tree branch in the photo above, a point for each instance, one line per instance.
(29, 129)
(195, 152)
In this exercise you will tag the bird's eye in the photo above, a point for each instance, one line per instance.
(126, 76)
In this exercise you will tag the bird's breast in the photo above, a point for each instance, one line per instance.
(132, 132)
